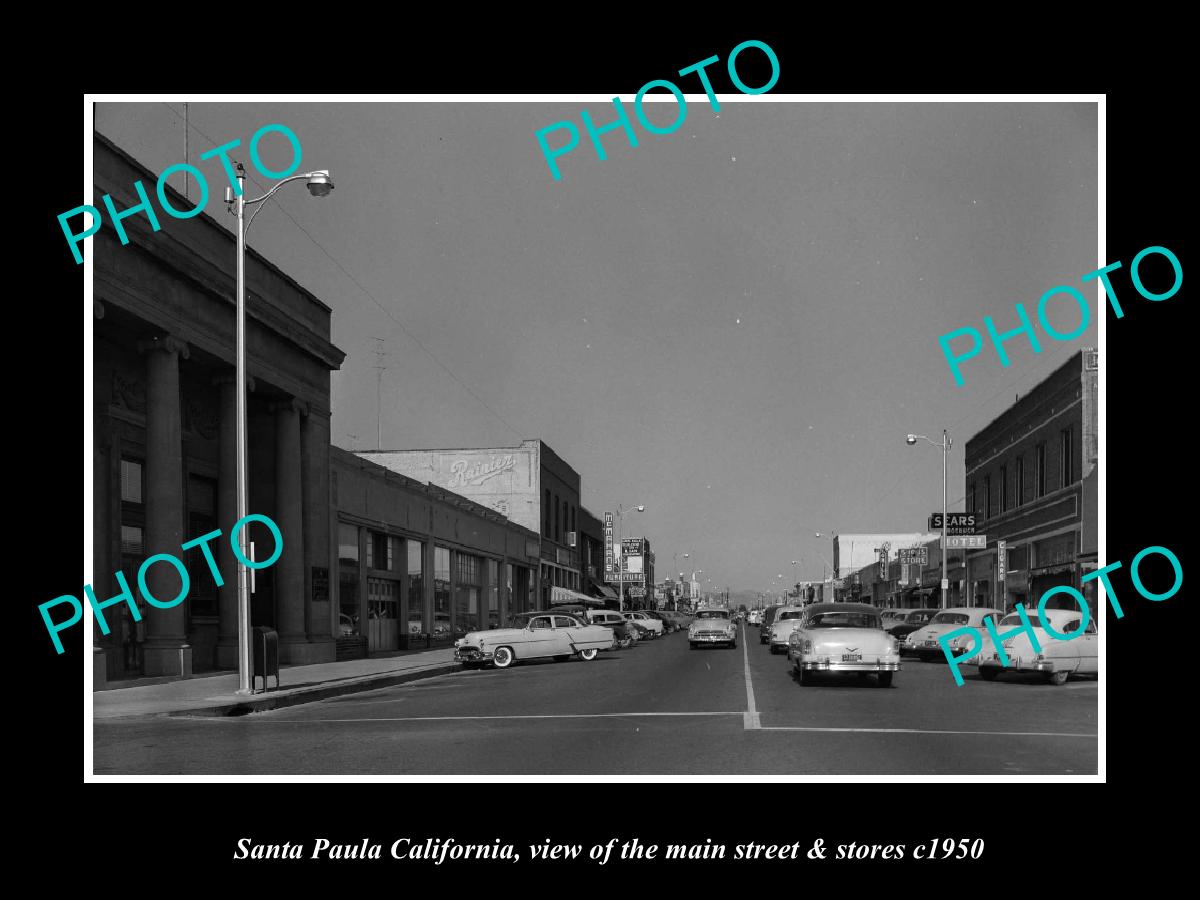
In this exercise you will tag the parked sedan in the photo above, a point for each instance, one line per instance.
(533, 636)
(712, 626)
(768, 617)
(924, 641)
(668, 623)
(843, 637)
(786, 619)
(908, 621)
(1058, 659)
(648, 622)
(624, 632)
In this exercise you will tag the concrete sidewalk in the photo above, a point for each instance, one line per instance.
(214, 695)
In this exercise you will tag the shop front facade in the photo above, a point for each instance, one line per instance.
(1031, 482)
(419, 566)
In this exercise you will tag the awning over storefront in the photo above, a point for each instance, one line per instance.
(560, 596)
(602, 589)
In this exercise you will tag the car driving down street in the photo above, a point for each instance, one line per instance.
(712, 626)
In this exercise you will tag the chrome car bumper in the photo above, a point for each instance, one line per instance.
(712, 638)
(471, 654)
(1017, 664)
(825, 664)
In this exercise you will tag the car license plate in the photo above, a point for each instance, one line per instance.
(931, 643)
(851, 657)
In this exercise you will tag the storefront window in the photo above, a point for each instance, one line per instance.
(202, 519)
(347, 542)
(348, 623)
(467, 581)
(416, 586)
(520, 601)
(441, 595)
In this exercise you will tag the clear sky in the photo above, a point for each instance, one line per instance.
(735, 324)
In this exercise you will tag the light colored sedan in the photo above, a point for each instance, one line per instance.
(924, 641)
(1058, 659)
(533, 636)
(843, 637)
(648, 622)
(712, 626)
(785, 621)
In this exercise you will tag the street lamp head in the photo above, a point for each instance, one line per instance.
(319, 183)
(911, 439)
(641, 509)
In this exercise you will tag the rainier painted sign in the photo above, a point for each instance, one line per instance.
(464, 473)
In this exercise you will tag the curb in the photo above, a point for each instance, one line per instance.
(298, 696)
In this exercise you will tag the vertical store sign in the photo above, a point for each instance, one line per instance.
(883, 564)
(1001, 566)
(608, 546)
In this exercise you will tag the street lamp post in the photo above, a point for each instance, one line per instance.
(319, 185)
(944, 446)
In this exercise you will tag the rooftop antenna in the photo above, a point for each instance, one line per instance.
(380, 353)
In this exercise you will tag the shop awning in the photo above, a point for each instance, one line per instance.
(602, 589)
(560, 596)
(1037, 571)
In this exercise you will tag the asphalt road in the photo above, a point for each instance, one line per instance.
(659, 708)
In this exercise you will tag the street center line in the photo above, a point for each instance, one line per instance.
(750, 720)
(927, 731)
(623, 715)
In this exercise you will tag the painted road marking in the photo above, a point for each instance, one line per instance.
(624, 715)
(928, 731)
(750, 720)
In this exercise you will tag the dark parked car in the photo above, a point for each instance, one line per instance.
(764, 632)
(912, 620)
(669, 624)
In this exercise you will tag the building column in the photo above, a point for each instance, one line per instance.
(227, 598)
(289, 511)
(166, 650)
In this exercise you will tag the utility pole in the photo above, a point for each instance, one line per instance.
(380, 353)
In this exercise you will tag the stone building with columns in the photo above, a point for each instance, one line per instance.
(164, 428)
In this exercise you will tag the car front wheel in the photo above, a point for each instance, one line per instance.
(1057, 678)
(885, 679)
(503, 657)
(588, 654)
(987, 673)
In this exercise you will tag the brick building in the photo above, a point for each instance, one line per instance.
(1031, 481)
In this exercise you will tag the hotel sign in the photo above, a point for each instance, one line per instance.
(966, 542)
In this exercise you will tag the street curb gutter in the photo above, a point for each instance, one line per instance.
(264, 702)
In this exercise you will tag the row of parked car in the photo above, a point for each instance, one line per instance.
(861, 638)
(562, 632)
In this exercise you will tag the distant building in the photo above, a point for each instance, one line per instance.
(529, 484)
(1031, 482)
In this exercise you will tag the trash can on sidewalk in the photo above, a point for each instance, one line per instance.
(266, 656)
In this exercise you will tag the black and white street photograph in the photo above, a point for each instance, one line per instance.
(697, 432)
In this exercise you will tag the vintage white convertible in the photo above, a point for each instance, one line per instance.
(533, 635)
